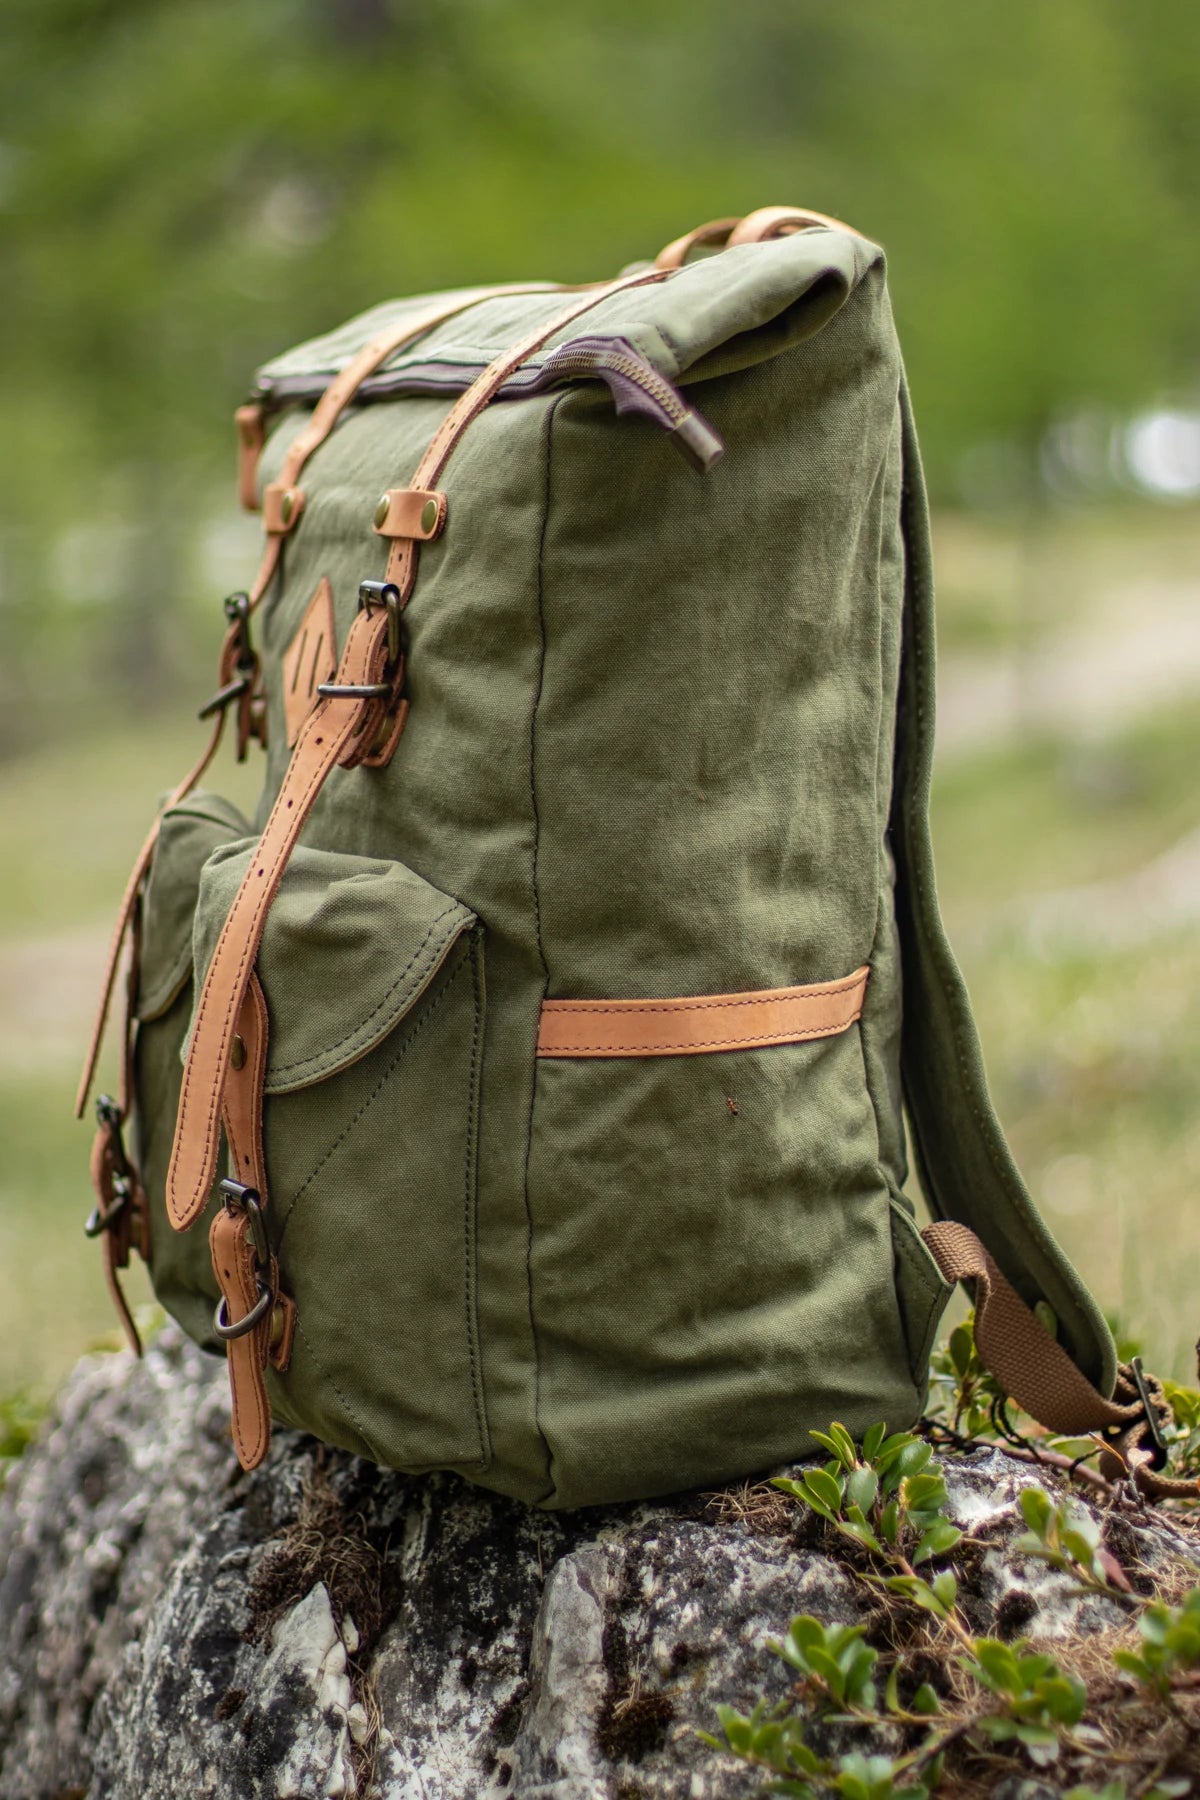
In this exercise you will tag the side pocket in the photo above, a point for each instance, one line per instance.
(375, 993)
(179, 1265)
(921, 1290)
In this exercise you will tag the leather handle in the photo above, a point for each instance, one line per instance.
(676, 253)
(756, 228)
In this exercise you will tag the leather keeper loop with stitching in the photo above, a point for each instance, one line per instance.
(407, 514)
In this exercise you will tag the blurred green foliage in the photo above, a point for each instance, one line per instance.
(186, 186)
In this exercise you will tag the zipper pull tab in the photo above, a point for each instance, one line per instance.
(636, 387)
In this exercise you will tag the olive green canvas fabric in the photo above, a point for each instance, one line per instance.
(670, 735)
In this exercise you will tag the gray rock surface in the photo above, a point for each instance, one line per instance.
(321, 1628)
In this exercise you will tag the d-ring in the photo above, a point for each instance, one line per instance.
(258, 1312)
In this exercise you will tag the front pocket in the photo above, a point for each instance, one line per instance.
(188, 834)
(375, 994)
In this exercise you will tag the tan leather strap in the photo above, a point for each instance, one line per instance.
(756, 228)
(411, 512)
(340, 729)
(251, 435)
(235, 1265)
(235, 1257)
(242, 1106)
(283, 501)
(324, 417)
(702, 1023)
(323, 739)
(402, 558)
(676, 253)
(780, 221)
(1035, 1370)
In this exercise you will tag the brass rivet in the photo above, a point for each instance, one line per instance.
(382, 511)
(429, 515)
(287, 506)
(278, 1325)
(237, 1052)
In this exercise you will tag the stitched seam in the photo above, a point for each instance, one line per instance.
(416, 1031)
(743, 1043)
(639, 1009)
(319, 1056)
(469, 1197)
(551, 414)
(346, 1406)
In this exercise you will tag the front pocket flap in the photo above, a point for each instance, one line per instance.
(187, 837)
(350, 944)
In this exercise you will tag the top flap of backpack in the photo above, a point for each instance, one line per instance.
(713, 315)
(351, 944)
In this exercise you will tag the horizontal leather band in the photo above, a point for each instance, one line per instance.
(702, 1023)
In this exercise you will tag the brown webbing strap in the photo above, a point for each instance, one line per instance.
(325, 416)
(340, 729)
(1035, 1370)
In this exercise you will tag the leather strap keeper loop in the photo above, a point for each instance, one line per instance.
(282, 506)
(411, 513)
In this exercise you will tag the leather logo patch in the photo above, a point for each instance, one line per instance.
(311, 657)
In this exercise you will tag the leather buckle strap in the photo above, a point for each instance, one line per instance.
(327, 737)
(255, 1319)
(120, 1217)
(324, 417)
(346, 728)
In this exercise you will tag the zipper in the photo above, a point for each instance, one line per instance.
(635, 385)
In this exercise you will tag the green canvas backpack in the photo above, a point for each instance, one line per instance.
(521, 1091)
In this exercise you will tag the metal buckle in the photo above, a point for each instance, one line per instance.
(384, 593)
(373, 593)
(221, 699)
(237, 612)
(108, 1116)
(247, 1199)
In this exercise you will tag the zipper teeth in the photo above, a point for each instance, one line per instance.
(656, 386)
(582, 362)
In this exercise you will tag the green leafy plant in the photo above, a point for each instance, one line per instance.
(1183, 1433)
(1039, 1700)
(964, 1391)
(774, 1741)
(888, 1497)
(835, 1665)
(1068, 1539)
(1170, 1645)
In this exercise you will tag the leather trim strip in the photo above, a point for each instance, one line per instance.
(700, 1024)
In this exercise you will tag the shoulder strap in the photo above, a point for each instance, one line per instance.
(987, 1230)
(966, 1168)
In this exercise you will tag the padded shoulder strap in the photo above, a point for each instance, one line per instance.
(965, 1166)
